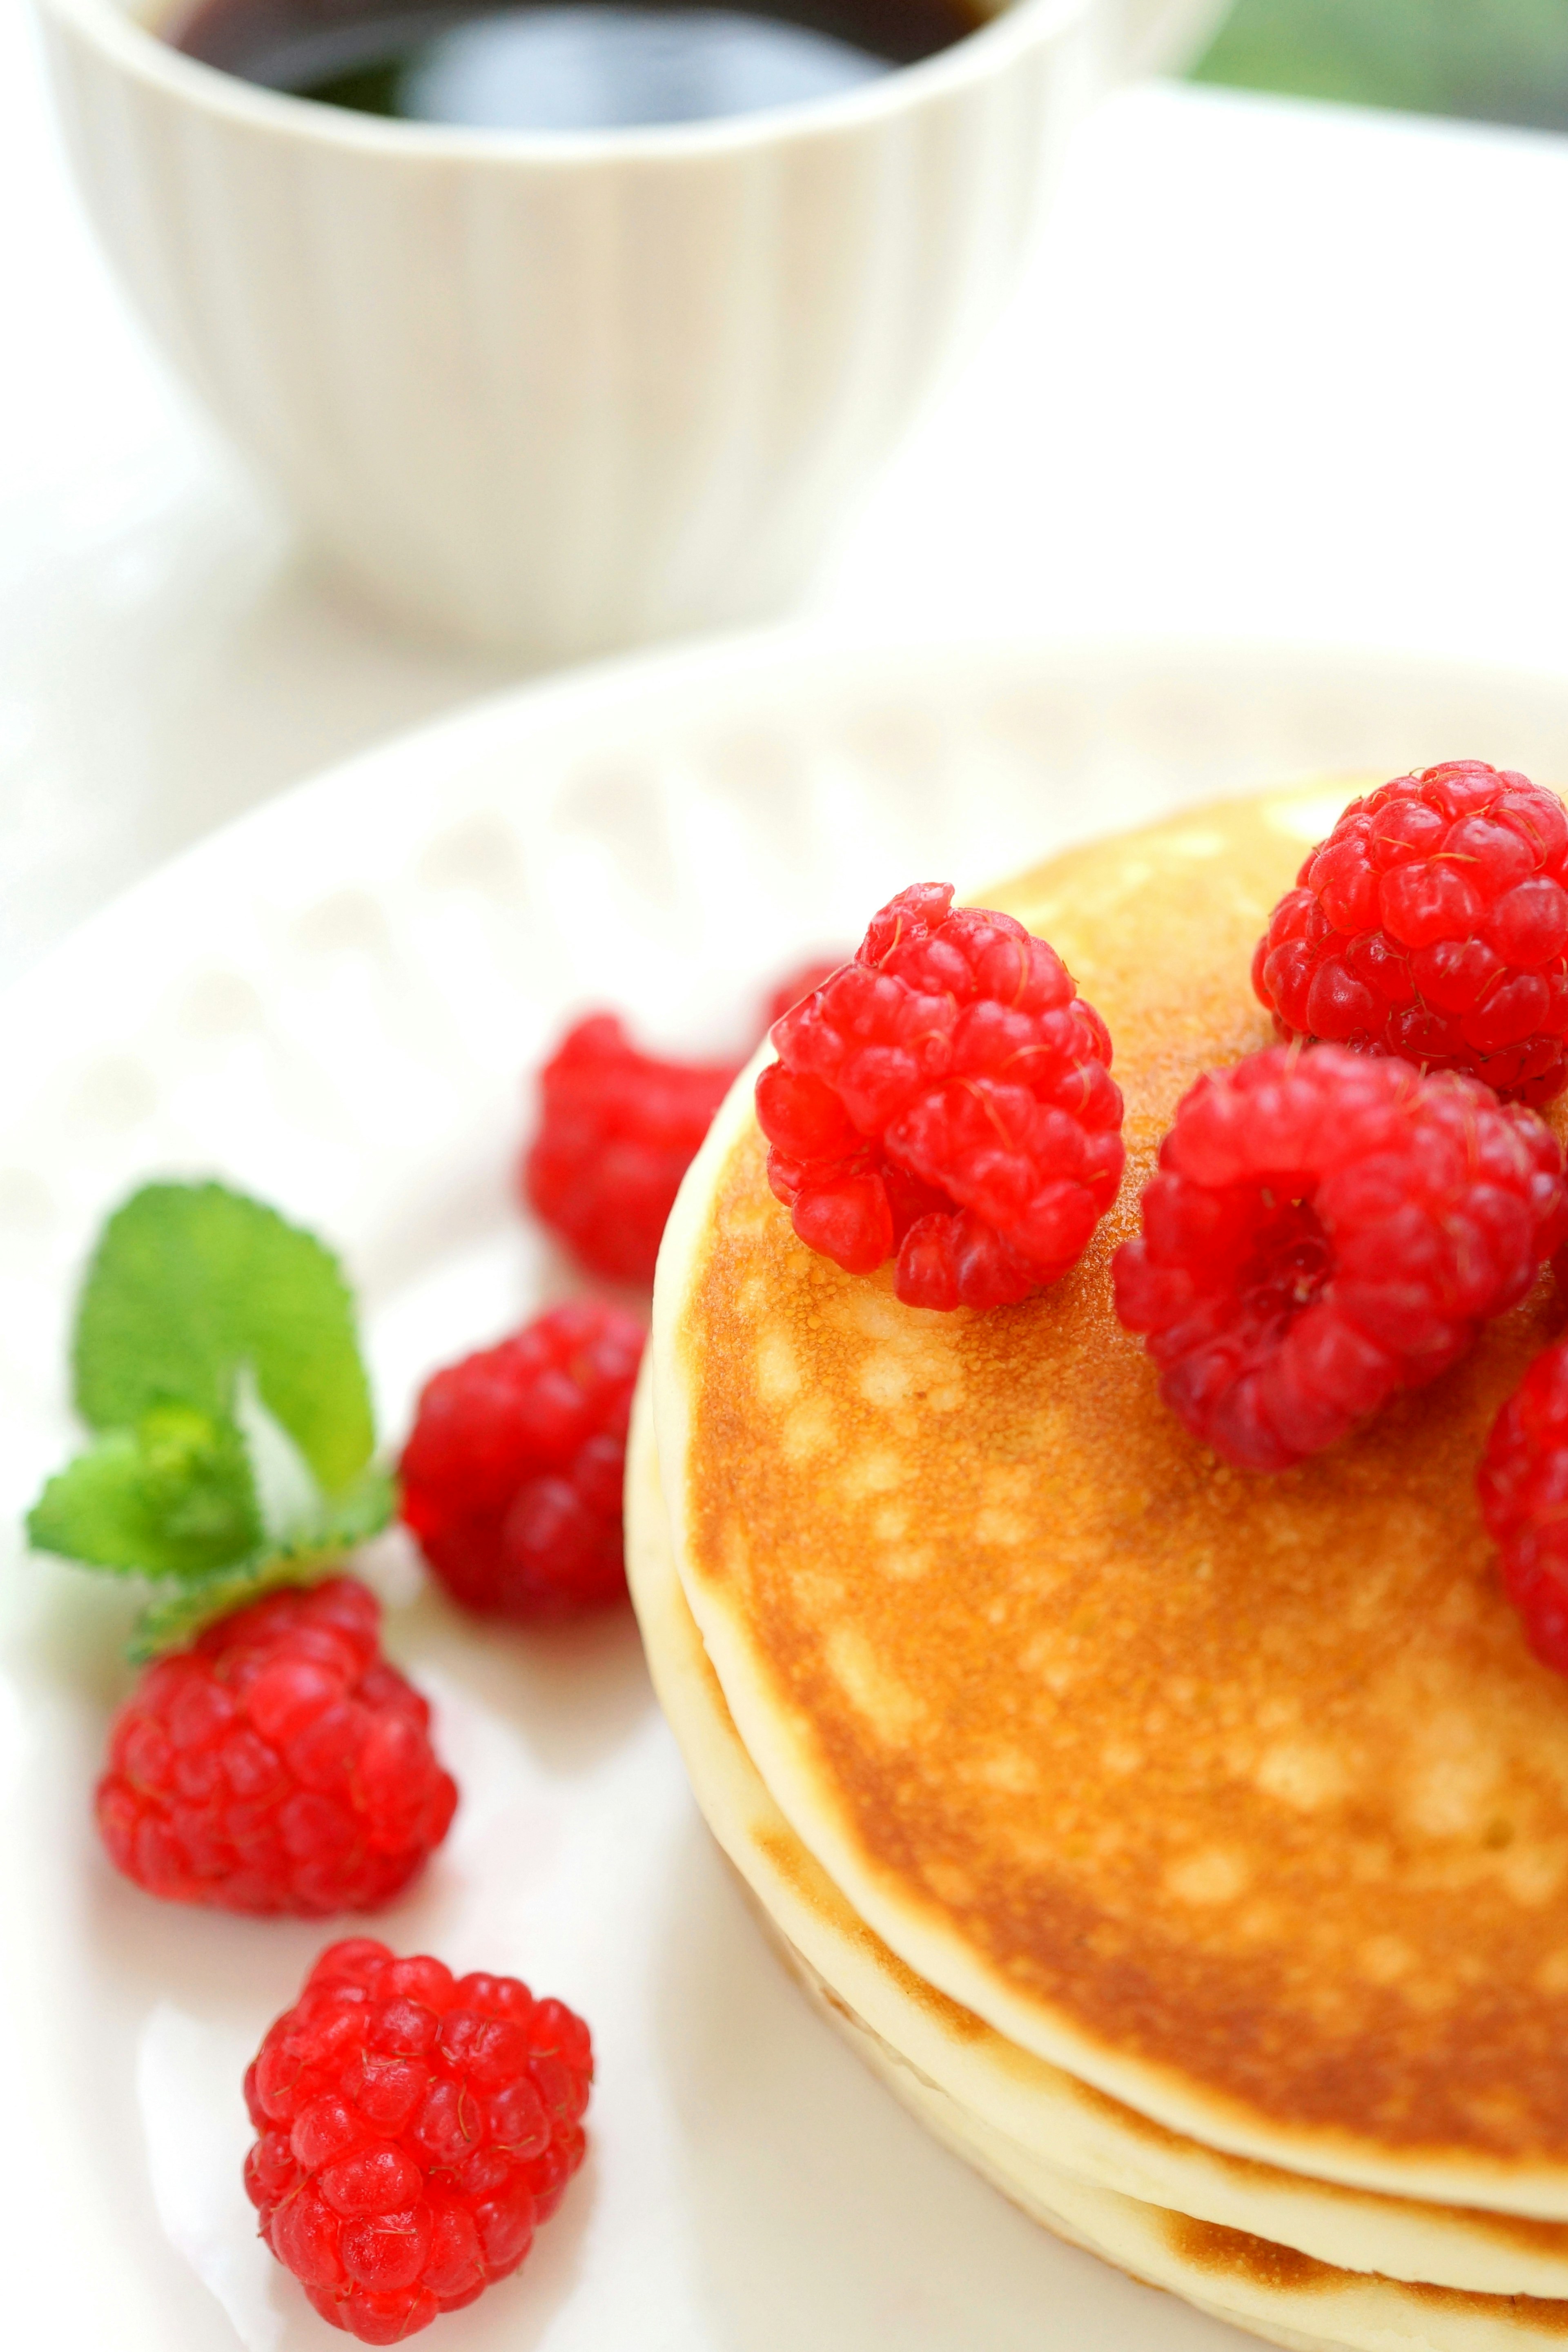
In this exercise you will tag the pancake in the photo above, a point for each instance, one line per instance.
(1272, 2291)
(983, 2087)
(1239, 1799)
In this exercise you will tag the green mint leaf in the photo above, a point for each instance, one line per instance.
(217, 1361)
(191, 1282)
(177, 1611)
(174, 1496)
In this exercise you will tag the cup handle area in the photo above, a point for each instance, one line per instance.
(1165, 35)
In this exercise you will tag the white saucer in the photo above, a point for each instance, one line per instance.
(335, 1004)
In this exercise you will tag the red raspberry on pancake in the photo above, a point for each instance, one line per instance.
(1325, 1229)
(1432, 923)
(945, 1098)
(1523, 1488)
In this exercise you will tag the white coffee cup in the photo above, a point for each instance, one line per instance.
(561, 393)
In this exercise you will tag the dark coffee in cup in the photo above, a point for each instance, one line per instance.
(568, 65)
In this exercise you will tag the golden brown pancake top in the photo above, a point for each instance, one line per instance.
(1249, 1778)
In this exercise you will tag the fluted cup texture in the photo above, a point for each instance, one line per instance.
(563, 394)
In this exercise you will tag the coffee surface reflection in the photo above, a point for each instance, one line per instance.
(570, 65)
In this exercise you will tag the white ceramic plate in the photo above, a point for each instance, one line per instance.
(334, 1002)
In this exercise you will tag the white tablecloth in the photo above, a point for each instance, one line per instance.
(1279, 370)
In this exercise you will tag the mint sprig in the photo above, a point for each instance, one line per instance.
(191, 1281)
(172, 1497)
(217, 1361)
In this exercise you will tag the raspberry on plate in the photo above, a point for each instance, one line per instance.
(1432, 923)
(1523, 1488)
(413, 2128)
(946, 1095)
(512, 1474)
(280, 1764)
(1325, 1229)
(619, 1129)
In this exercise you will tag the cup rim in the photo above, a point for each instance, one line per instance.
(137, 51)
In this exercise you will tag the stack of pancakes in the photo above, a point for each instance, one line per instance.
(1189, 1849)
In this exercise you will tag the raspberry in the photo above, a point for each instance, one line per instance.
(620, 1129)
(946, 1096)
(1324, 1230)
(279, 1764)
(1524, 1487)
(413, 2128)
(512, 1474)
(1432, 923)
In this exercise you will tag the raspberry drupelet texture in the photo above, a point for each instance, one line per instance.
(413, 2128)
(946, 1095)
(1523, 1488)
(1432, 923)
(1325, 1229)
(512, 1474)
(277, 1765)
